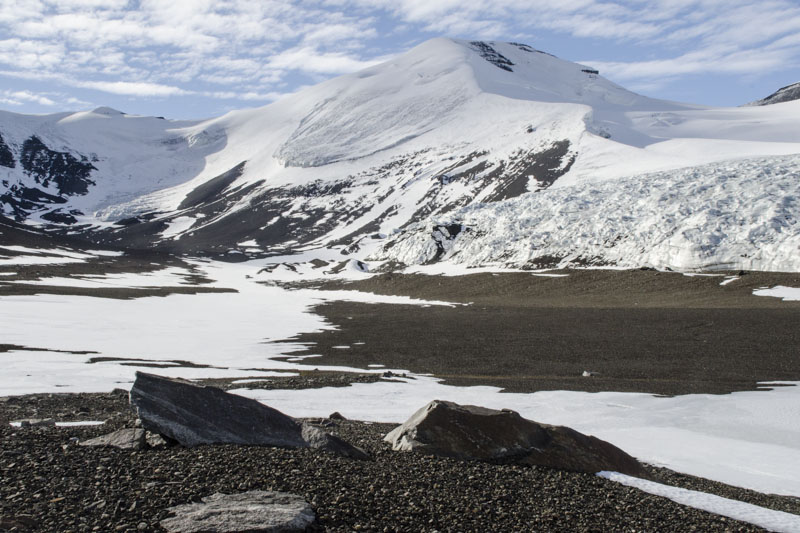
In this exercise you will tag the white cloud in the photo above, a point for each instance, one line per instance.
(48, 99)
(158, 49)
(735, 36)
(309, 59)
(130, 88)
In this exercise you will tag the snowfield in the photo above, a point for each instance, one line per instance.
(734, 215)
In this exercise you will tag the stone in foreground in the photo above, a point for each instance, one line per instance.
(252, 511)
(194, 414)
(126, 439)
(477, 433)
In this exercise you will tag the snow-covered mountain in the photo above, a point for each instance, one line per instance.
(789, 93)
(451, 134)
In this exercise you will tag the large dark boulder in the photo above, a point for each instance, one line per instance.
(193, 414)
(476, 433)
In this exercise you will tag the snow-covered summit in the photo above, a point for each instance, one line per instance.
(429, 87)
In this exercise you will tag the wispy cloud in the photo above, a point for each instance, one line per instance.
(693, 36)
(257, 51)
(161, 49)
(48, 99)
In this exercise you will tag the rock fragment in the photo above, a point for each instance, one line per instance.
(154, 440)
(125, 439)
(262, 511)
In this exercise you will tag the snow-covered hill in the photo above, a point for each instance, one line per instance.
(789, 93)
(449, 125)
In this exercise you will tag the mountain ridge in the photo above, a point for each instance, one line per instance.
(449, 125)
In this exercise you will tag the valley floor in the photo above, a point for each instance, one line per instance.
(634, 331)
(695, 373)
(51, 484)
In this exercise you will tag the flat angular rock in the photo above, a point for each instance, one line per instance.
(126, 439)
(476, 433)
(194, 414)
(252, 511)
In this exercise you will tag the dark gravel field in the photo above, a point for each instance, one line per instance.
(640, 331)
(51, 484)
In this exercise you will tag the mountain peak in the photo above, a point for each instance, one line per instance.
(424, 88)
(784, 94)
(105, 110)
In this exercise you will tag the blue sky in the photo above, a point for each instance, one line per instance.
(201, 58)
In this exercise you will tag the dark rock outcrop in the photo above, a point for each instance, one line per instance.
(193, 414)
(6, 157)
(262, 511)
(211, 189)
(487, 52)
(69, 174)
(477, 433)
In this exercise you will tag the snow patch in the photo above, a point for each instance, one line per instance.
(769, 519)
(787, 294)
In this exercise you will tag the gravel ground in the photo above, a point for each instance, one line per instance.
(51, 484)
(640, 331)
(130, 263)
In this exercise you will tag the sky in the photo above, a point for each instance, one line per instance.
(202, 58)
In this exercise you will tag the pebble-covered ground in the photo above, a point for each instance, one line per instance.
(49, 483)
(637, 330)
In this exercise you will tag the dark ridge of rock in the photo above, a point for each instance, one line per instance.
(212, 188)
(194, 414)
(442, 234)
(527, 48)
(58, 216)
(19, 201)
(252, 511)
(70, 175)
(543, 167)
(784, 94)
(6, 157)
(491, 55)
(34, 194)
(468, 432)
(124, 439)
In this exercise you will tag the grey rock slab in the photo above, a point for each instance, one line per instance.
(254, 511)
(476, 433)
(126, 439)
(193, 414)
(318, 439)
